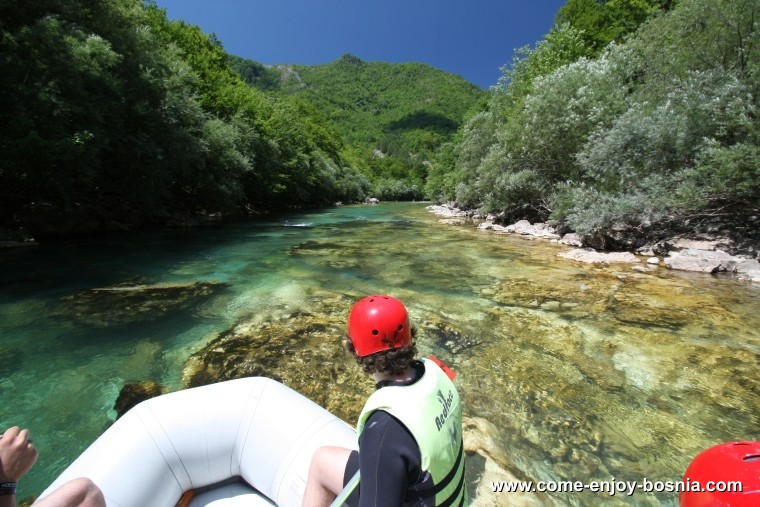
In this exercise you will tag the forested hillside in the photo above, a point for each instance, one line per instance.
(393, 117)
(627, 122)
(112, 117)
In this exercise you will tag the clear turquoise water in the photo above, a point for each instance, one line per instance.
(580, 393)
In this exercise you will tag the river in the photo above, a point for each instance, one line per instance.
(580, 372)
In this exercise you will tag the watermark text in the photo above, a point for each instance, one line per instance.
(614, 487)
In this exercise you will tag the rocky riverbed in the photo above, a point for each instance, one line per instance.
(567, 370)
(605, 395)
(708, 254)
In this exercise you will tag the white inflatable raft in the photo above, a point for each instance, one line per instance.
(242, 442)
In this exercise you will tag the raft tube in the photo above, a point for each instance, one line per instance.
(242, 442)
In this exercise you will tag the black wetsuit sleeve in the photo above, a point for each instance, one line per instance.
(389, 460)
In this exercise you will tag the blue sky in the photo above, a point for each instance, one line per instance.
(472, 38)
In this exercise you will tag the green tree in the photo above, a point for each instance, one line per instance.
(605, 21)
(656, 134)
(114, 116)
(682, 151)
(83, 114)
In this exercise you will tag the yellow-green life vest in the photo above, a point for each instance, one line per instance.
(431, 411)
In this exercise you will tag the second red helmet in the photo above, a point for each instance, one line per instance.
(378, 323)
(714, 475)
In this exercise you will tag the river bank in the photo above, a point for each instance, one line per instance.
(713, 254)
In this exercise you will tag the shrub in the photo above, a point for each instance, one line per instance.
(702, 107)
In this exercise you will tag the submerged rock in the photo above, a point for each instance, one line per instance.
(448, 337)
(487, 463)
(603, 400)
(301, 349)
(17, 244)
(128, 302)
(9, 361)
(588, 295)
(133, 393)
(490, 226)
(630, 299)
(452, 221)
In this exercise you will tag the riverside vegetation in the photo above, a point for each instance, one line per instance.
(114, 116)
(623, 133)
(628, 122)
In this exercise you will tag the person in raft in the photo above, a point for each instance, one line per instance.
(410, 429)
(17, 455)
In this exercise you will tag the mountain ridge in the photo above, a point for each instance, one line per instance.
(403, 110)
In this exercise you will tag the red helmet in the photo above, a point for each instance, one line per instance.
(378, 323)
(718, 468)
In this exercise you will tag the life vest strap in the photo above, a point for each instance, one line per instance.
(454, 495)
(443, 484)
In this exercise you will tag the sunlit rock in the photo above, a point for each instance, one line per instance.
(446, 210)
(593, 257)
(684, 243)
(714, 261)
(700, 260)
(538, 230)
(748, 269)
(128, 303)
(571, 239)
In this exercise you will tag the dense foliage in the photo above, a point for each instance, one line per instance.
(630, 118)
(654, 132)
(601, 22)
(111, 116)
(393, 117)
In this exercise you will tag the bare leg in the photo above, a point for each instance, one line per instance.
(80, 492)
(325, 479)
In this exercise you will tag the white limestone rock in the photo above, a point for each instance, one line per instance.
(590, 256)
